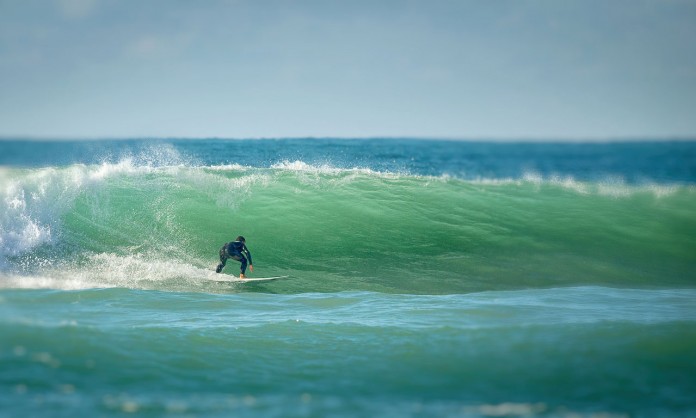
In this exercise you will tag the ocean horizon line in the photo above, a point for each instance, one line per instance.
(471, 139)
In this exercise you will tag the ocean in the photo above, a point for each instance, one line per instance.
(427, 278)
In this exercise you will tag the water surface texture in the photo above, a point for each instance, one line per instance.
(427, 278)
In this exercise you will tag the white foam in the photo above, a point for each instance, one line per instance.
(29, 207)
(130, 269)
(611, 187)
(107, 270)
(227, 167)
(32, 202)
(301, 166)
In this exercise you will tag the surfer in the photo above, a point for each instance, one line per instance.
(235, 250)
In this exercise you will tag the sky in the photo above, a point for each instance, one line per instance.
(502, 69)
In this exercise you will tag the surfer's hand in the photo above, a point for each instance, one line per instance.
(251, 268)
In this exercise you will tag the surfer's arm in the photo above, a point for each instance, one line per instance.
(248, 256)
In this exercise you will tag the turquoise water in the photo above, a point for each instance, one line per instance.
(553, 352)
(427, 278)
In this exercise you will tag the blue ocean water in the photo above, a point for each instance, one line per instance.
(427, 278)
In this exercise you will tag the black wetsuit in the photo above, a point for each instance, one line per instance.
(235, 250)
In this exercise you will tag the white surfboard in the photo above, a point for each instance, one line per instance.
(249, 279)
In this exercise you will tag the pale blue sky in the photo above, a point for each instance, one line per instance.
(546, 69)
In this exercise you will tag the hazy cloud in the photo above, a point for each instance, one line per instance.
(76, 9)
(464, 68)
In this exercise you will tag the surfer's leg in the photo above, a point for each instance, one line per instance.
(223, 260)
(244, 265)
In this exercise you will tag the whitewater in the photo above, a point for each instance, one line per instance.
(427, 278)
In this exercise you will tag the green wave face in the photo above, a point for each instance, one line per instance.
(333, 230)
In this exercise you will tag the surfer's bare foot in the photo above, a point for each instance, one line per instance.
(242, 276)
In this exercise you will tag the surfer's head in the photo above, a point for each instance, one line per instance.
(240, 238)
